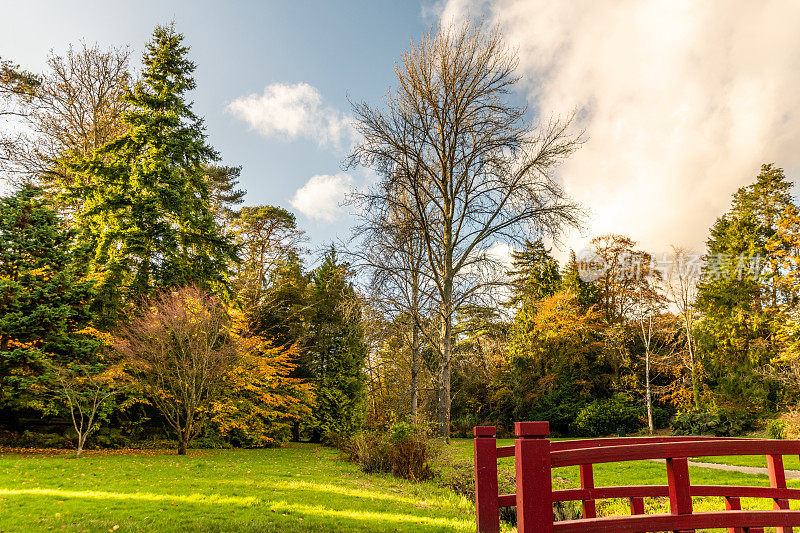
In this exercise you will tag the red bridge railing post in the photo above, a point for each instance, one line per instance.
(534, 485)
(680, 498)
(487, 499)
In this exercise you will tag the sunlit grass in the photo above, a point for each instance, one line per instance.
(298, 488)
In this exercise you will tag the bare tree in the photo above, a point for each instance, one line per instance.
(649, 304)
(469, 169)
(85, 391)
(76, 109)
(681, 282)
(390, 248)
(179, 348)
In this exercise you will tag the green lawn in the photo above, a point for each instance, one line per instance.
(298, 488)
(301, 487)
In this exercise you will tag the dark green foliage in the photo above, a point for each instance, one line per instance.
(585, 292)
(535, 274)
(336, 350)
(726, 423)
(148, 214)
(44, 301)
(607, 416)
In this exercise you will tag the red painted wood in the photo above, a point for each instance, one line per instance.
(505, 451)
(619, 441)
(637, 505)
(680, 499)
(665, 522)
(777, 479)
(534, 485)
(732, 503)
(665, 450)
(508, 500)
(587, 482)
(655, 491)
(487, 501)
(535, 456)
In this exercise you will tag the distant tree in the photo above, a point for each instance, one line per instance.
(337, 351)
(681, 283)
(463, 164)
(739, 294)
(44, 300)
(534, 275)
(148, 216)
(267, 237)
(180, 347)
(585, 291)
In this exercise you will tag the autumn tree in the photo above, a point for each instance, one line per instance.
(77, 109)
(180, 347)
(147, 214)
(468, 169)
(262, 401)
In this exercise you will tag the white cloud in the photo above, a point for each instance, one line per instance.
(293, 111)
(321, 197)
(681, 101)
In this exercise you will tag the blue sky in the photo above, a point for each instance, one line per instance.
(339, 49)
(681, 101)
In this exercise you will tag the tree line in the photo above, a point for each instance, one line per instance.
(141, 294)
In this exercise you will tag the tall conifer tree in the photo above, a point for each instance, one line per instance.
(149, 212)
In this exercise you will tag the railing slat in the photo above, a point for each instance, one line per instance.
(487, 501)
(534, 482)
(587, 482)
(777, 479)
(732, 503)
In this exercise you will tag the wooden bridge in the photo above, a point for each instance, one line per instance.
(535, 456)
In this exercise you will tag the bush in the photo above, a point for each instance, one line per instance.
(776, 429)
(608, 415)
(405, 451)
(725, 423)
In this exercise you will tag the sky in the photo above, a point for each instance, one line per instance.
(680, 101)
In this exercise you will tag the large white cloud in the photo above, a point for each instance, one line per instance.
(321, 197)
(681, 101)
(293, 111)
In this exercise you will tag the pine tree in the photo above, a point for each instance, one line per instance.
(535, 274)
(44, 303)
(149, 211)
(585, 292)
(337, 350)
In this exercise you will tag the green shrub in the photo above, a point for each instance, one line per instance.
(607, 415)
(725, 423)
(404, 451)
(776, 429)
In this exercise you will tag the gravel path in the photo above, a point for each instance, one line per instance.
(790, 474)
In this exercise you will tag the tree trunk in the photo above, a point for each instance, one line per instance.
(647, 388)
(182, 446)
(296, 431)
(444, 374)
(415, 359)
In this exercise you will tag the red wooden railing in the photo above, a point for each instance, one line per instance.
(535, 456)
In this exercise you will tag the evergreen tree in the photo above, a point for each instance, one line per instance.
(149, 212)
(535, 274)
(739, 291)
(336, 347)
(44, 302)
(585, 292)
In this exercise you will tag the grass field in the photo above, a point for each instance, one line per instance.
(298, 488)
(301, 487)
